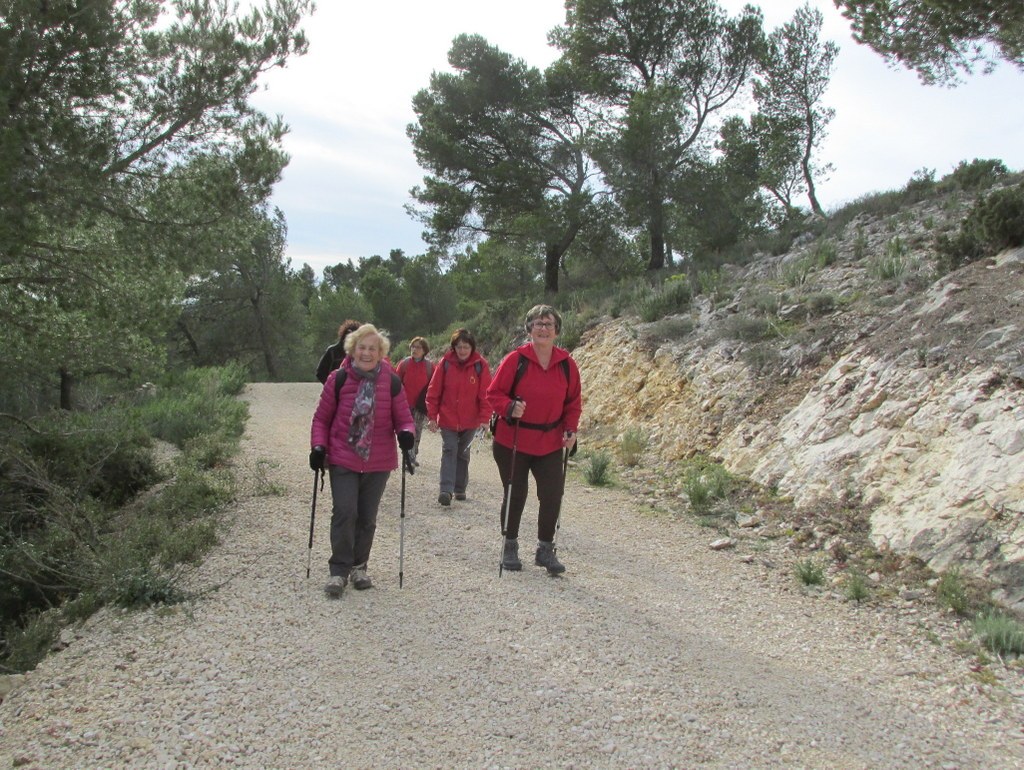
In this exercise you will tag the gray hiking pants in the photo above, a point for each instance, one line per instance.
(455, 446)
(356, 499)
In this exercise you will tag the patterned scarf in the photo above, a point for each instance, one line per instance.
(360, 430)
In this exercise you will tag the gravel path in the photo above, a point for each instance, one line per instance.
(652, 651)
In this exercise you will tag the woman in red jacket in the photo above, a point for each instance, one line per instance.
(414, 371)
(353, 434)
(457, 403)
(536, 389)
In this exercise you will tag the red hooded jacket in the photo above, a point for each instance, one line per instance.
(457, 394)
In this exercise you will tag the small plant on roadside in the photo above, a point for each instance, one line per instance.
(1000, 633)
(810, 572)
(263, 485)
(857, 588)
(632, 446)
(598, 470)
(951, 591)
(705, 482)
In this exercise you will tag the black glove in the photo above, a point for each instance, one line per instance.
(406, 440)
(317, 458)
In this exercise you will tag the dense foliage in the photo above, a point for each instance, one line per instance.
(940, 39)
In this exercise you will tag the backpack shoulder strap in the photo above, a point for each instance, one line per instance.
(339, 381)
(479, 366)
(521, 366)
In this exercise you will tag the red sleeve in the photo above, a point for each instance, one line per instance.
(499, 388)
(434, 393)
(485, 405)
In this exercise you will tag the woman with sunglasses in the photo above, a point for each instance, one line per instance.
(536, 393)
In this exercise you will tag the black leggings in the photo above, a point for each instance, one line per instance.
(547, 473)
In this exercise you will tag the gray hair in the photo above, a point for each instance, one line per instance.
(539, 311)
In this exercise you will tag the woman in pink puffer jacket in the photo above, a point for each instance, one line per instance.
(353, 436)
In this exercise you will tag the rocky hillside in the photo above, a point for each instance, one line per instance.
(847, 374)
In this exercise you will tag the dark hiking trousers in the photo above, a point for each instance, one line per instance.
(547, 474)
(356, 498)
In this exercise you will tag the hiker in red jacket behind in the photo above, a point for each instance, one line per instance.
(457, 403)
(537, 388)
(414, 370)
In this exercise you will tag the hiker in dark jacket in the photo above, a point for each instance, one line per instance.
(536, 389)
(335, 354)
(457, 404)
(353, 437)
(414, 370)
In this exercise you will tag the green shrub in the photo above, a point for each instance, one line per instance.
(824, 253)
(30, 642)
(951, 591)
(704, 483)
(765, 302)
(974, 175)
(920, 185)
(598, 470)
(670, 298)
(994, 223)
(761, 357)
(745, 328)
(893, 264)
(632, 446)
(674, 328)
(105, 455)
(68, 541)
(860, 245)
(180, 418)
(713, 284)
(810, 572)
(857, 587)
(227, 380)
(794, 273)
(1000, 633)
(820, 304)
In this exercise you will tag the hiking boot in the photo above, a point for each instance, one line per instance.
(460, 495)
(510, 556)
(445, 498)
(546, 558)
(360, 580)
(335, 586)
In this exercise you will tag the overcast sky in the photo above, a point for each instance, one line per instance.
(348, 102)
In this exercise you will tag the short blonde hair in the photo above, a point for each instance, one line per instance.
(367, 330)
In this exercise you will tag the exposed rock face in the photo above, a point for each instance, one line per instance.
(917, 411)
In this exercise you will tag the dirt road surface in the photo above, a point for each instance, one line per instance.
(651, 651)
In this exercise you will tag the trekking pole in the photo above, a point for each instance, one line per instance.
(565, 471)
(312, 518)
(508, 496)
(401, 525)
